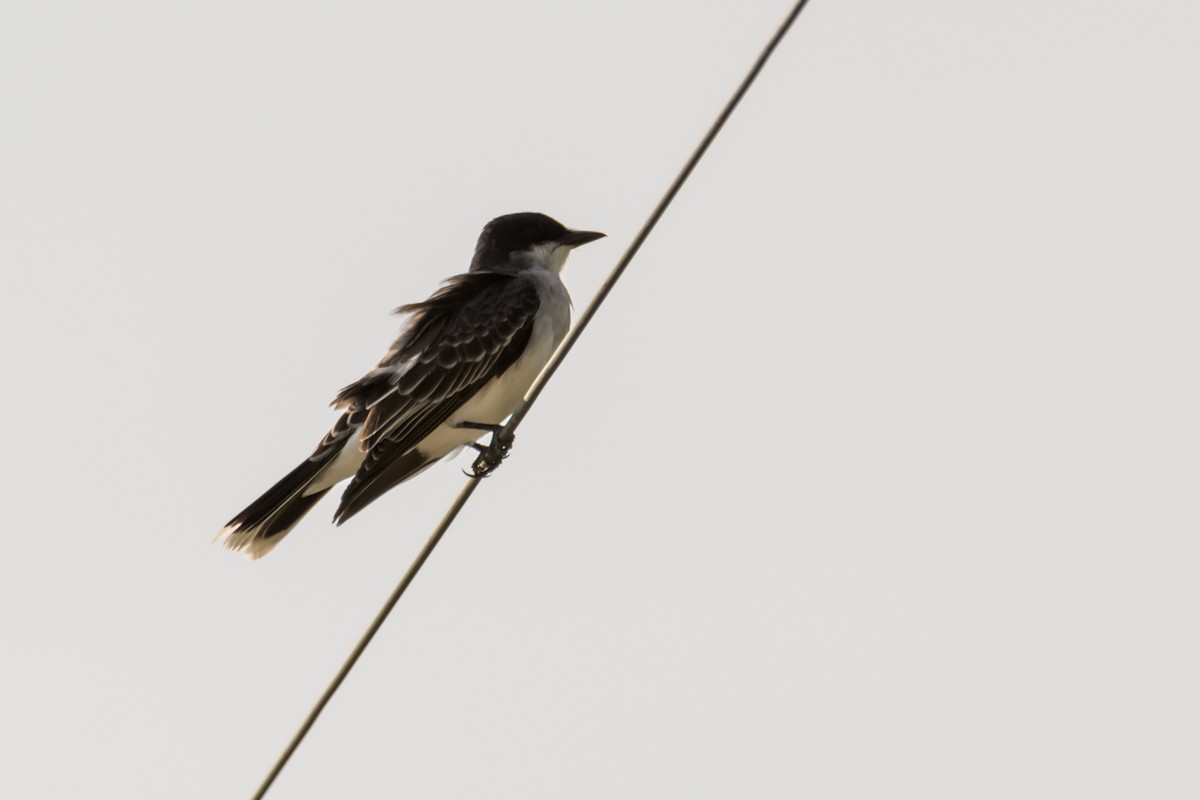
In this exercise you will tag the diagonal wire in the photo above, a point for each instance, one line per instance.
(505, 435)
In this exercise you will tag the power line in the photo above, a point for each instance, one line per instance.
(505, 435)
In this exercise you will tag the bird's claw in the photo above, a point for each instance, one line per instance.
(490, 457)
(492, 454)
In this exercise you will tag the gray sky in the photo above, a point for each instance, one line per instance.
(876, 477)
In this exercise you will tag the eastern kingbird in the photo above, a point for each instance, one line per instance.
(461, 365)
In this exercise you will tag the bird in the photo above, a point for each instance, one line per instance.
(461, 365)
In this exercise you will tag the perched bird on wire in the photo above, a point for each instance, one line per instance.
(462, 364)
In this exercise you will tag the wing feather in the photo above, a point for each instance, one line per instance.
(470, 331)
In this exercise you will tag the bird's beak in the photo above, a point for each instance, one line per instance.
(574, 239)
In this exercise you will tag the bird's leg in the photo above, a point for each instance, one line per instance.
(493, 453)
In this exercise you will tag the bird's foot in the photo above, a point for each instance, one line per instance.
(492, 454)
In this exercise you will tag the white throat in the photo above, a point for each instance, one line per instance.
(547, 255)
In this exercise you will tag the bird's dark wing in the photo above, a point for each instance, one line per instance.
(471, 330)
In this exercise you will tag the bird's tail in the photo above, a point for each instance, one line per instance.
(263, 523)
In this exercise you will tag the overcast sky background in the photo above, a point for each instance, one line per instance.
(876, 476)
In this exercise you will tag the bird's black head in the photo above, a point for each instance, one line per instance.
(519, 241)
